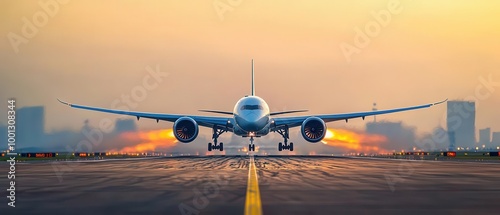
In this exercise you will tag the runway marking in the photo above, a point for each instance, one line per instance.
(253, 204)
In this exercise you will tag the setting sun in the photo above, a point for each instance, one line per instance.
(149, 140)
(353, 140)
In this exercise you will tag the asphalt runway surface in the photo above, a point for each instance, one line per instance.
(288, 185)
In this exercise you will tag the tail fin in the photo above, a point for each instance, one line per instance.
(253, 84)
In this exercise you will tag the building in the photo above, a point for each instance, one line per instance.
(3, 137)
(485, 138)
(30, 126)
(495, 140)
(460, 122)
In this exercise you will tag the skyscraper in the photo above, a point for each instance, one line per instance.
(485, 137)
(3, 137)
(460, 122)
(30, 126)
(495, 141)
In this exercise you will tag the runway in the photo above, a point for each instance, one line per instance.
(287, 184)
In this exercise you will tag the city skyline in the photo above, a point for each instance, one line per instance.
(102, 57)
(400, 136)
(125, 118)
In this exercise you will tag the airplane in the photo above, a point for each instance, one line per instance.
(251, 118)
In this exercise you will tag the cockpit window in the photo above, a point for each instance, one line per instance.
(251, 107)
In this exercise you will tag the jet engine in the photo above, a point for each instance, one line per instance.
(313, 129)
(185, 129)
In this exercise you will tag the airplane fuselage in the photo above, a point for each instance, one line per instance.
(251, 117)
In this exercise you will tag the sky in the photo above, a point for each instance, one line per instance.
(182, 56)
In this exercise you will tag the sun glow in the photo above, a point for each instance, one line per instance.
(149, 140)
(353, 140)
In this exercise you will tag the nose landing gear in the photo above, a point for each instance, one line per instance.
(251, 146)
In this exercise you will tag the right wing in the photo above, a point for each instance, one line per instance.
(297, 120)
(206, 121)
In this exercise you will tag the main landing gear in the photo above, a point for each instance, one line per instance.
(216, 133)
(285, 135)
(251, 146)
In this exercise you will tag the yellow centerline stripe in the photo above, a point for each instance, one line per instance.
(253, 205)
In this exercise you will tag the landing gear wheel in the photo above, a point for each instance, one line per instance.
(253, 147)
(284, 133)
(216, 133)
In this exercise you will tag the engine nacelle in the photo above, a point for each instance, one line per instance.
(185, 129)
(313, 129)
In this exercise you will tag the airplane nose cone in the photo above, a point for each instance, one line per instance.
(252, 117)
(251, 122)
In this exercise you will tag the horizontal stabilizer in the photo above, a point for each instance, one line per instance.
(285, 112)
(217, 111)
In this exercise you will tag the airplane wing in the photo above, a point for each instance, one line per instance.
(206, 121)
(297, 120)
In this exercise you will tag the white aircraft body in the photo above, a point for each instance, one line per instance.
(251, 118)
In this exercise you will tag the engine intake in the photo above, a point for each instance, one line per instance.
(313, 129)
(185, 129)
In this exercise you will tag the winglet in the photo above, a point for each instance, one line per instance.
(63, 102)
(436, 103)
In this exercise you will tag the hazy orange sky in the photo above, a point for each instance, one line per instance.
(92, 52)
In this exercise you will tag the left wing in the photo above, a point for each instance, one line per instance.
(206, 121)
(297, 121)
